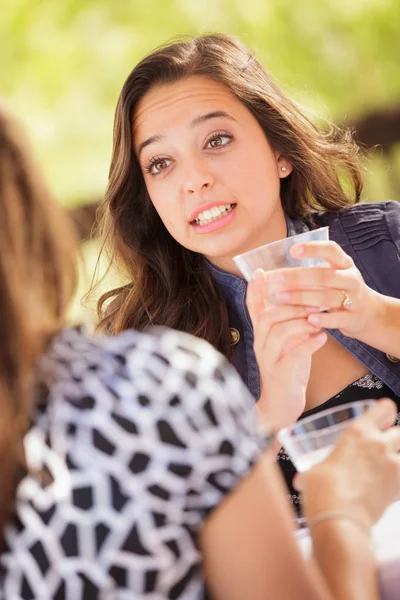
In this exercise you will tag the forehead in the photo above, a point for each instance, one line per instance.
(176, 104)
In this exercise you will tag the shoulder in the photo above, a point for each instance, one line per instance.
(364, 224)
(129, 353)
(132, 369)
(75, 343)
(145, 403)
(363, 212)
(370, 234)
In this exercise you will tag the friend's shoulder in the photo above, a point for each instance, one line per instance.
(76, 349)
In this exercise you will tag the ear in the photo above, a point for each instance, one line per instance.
(284, 166)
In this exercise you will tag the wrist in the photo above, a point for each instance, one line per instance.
(382, 331)
(340, 516)
(323, 492)
(383, 310)
(390, 323)
(280, 412)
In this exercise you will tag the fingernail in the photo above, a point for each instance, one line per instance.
(314, 320)
(312, 309)
(297, 250)
(258, 274)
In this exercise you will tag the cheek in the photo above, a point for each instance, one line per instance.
(258, 188)
(169, 213)
(266, 175)
(256, 170)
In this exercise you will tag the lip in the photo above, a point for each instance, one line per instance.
(205, 207)
(218, 224)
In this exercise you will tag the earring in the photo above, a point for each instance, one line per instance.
(283, 168)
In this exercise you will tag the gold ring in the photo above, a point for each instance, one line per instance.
(347, 303)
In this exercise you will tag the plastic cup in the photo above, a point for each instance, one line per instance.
(277, 255)
(311, 440)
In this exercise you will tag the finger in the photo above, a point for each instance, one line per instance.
(382, 415)
(255, 295)
(271, 340)
(339, 319)
(323, 299)
(256, 306)
(297, 482)
(307, 348)
(392, 438)
(329, 251)
(280, 313)
(307, 277)
(293, 342)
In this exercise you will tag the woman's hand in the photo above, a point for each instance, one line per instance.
(284, 343)
(361, 476)
(328, 288)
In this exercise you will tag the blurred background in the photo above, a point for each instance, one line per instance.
(63, 64)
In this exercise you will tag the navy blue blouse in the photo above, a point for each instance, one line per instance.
(370, 234)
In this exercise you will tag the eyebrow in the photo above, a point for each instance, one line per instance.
(196, 121)
(211, 115)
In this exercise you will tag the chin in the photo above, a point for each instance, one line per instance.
(219, 253)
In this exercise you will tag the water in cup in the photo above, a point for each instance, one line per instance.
(311, 439)
(308, 460)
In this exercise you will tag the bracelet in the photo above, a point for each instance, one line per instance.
(339, 515)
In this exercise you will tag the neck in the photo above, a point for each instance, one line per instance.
(225, 264)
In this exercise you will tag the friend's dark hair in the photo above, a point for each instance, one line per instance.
(168, 284)
(37, 280)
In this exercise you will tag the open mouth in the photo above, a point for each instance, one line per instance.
(213, 214)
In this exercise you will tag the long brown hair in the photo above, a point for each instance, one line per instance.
(37, 279)
(168, 284)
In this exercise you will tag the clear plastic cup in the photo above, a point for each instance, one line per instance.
(277, 255)
(310, 440)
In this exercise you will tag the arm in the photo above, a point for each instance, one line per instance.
(340, 543)
(358, 479)
(248, 542)
(249, 547)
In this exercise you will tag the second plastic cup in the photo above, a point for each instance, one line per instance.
(310, 440)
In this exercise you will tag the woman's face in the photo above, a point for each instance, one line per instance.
(209, 169)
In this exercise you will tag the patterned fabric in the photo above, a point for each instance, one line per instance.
(364, 388)
(142, 437)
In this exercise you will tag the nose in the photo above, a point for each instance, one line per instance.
(197, 177)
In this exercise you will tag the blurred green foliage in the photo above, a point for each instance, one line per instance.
(63, 64)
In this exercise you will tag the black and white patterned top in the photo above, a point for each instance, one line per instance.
(142, 437)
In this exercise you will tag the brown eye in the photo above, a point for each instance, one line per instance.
(160, 165)
(216, 142)
(219, 140)
(157, 165)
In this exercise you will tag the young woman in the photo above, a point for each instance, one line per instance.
(131, 466)
(212, 159)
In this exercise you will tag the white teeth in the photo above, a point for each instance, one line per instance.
(214, 213)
